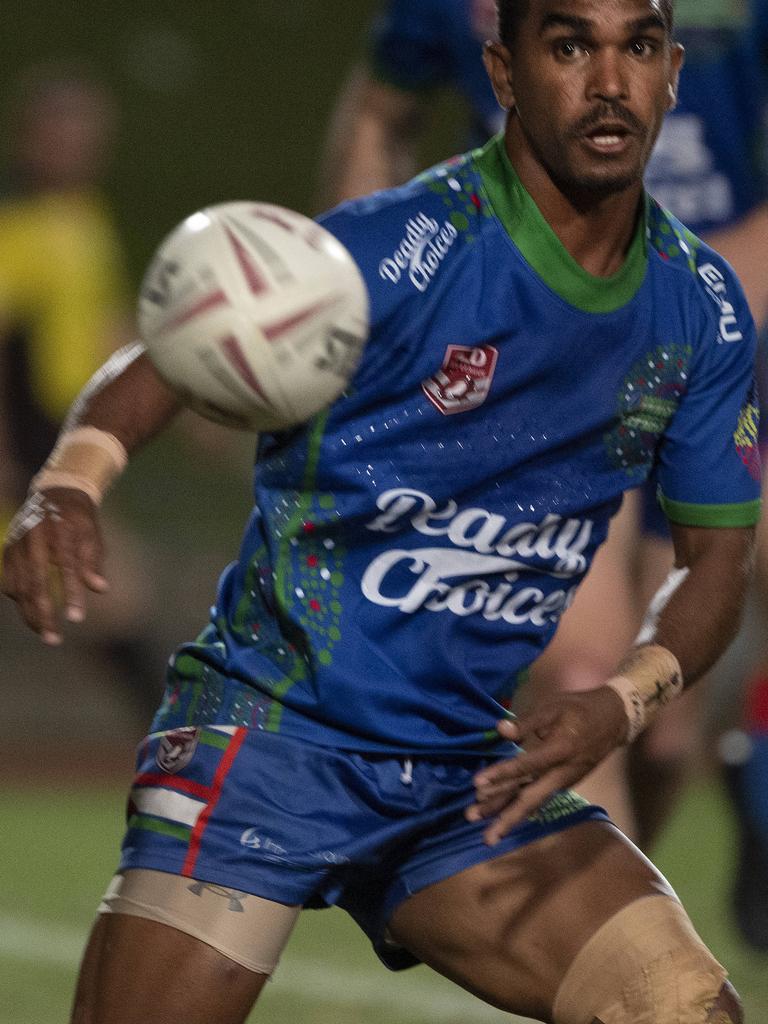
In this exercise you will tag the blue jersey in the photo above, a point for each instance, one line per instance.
(411, 550)
(709, 164)
(434, 43)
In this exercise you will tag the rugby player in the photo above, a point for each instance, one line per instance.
(708, 168)
(337, 734)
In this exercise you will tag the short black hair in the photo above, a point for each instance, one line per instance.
(512, 12)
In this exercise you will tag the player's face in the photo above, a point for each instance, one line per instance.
(590, 82)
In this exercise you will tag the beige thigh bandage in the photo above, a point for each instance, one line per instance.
(247, 929)
(646, 965)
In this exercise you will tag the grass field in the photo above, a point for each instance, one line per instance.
(57, 853)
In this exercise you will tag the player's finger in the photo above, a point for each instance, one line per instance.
(62, 547)
(89, 553)
(528, 800)
(491, 806)
(34, 590)
(531, 763)
(537, 725)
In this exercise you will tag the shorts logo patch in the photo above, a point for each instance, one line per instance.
(464, 379)
(268, 847)
(176, 749)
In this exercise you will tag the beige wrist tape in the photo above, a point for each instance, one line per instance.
(85, 459)
(651, 678)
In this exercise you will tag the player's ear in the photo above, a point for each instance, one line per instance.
(498, 64)
(677, 59)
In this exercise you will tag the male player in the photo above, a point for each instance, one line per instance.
(543, 334)
(708, 168)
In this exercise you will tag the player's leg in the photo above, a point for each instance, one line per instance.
(573, 928)
(167, 948)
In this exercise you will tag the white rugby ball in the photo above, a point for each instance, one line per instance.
(255, 315)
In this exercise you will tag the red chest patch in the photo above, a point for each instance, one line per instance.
(464, 379)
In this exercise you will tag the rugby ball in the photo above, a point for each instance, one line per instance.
(254, 315)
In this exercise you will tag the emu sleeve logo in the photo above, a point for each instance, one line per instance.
(715, 283)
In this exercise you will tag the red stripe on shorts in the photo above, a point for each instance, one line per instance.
(174, 782)
(218, 784)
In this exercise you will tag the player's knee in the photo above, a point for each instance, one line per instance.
(646, 963)
(727, 1008)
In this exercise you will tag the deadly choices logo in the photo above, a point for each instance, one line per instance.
(420, 253)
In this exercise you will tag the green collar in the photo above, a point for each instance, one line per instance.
(543, 250)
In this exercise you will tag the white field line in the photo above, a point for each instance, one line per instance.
(54, 946)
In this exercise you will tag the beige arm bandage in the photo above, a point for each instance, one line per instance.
(86, 459)
(650, 679)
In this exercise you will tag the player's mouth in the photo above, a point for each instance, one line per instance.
(609, 138)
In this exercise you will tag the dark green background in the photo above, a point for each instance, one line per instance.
(218, 100)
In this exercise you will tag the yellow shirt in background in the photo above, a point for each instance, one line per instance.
(62, 283)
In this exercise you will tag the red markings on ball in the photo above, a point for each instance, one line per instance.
(204, 305)
(230, 346)
(281, 327)
(256, 282)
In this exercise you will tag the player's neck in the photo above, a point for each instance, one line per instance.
(596, 231)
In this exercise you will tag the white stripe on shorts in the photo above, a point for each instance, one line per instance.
(164, 803)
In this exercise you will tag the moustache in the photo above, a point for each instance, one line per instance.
(613, 112)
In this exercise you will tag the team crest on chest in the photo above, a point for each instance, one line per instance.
(176, 749)
(464, 379)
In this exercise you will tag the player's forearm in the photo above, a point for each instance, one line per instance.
(372, 139)
(123, 405)
(689, 623)
(702, 614)
(125, 398)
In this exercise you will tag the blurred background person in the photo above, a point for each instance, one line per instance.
(709, 168)
(64, 301)
(385, 108)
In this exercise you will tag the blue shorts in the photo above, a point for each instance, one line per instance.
(313, 826)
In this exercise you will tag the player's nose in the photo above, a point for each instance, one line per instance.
(607, 78)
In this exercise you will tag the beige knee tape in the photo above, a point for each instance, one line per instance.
(646, 965)
(247, 929)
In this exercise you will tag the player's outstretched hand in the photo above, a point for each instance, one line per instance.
(52, 557)
(562, 742)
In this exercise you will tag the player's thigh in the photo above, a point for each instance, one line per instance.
(509, 928)
(138, 971)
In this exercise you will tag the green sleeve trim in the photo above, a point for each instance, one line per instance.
(746, 513)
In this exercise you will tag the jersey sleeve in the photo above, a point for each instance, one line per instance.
(709, 461)
(408, 45)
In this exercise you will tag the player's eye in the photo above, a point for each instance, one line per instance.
(643, 47)
(569, 49)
